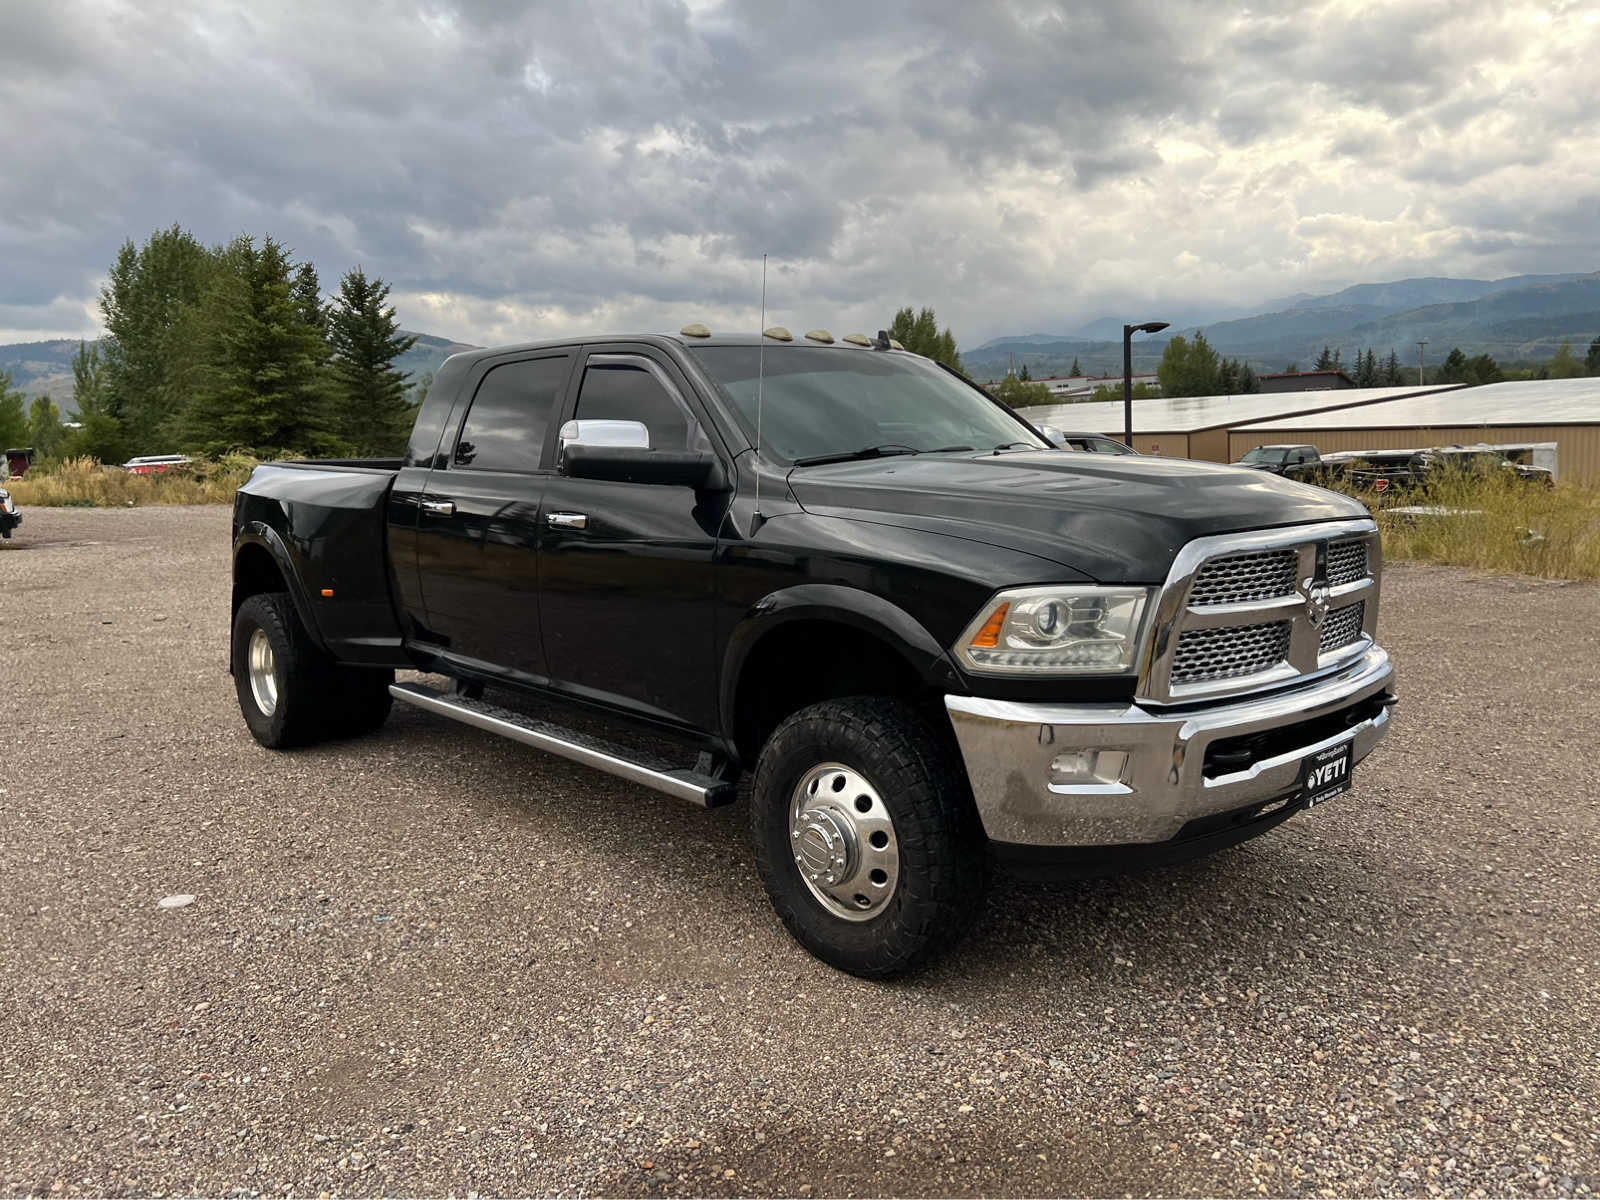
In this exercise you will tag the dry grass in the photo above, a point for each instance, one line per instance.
(1495, 523)
(84, 482)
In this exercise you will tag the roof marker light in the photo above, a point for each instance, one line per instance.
(695, 330)
(857, 339)
(819, 335)
(894, 345)
(778, 334)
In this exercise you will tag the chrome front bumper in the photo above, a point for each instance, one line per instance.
(1008, 748)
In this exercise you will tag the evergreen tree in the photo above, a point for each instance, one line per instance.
(1228, 376)
(1392, 376)
(264, 385)
(150, 305)
(1482, 368)
(1025, 375)
(373, 414)
(919, 332)
(1075, 372)
(1591, 361)
(1325, 359)
(1454, 367)
(308, 297)
(1249, 383)
(1367, 374)
(13, 421)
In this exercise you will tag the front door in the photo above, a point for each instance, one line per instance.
(625, 569)
(478, 519)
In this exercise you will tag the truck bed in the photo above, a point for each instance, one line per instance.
(323, 524)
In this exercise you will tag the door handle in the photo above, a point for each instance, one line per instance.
(568, 520)
(439, 508)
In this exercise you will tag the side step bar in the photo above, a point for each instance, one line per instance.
(708, 791)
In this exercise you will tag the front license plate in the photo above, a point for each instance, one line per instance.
(1325, 774)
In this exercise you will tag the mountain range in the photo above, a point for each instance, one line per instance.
(45, 368)
(1523, 317)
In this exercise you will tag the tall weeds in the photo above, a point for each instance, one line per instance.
(85, 482)
(1493, 523)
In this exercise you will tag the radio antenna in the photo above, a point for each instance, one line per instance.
(761, 381)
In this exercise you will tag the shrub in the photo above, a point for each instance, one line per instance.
(85, 481)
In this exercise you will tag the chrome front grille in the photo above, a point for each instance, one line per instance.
(1234, 578)
(1243, 612)
(1342, 627)
(1227, 653)
(1347, 561)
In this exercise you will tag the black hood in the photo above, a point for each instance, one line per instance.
(1117, 519)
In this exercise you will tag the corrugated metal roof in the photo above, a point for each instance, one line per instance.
(1523, 402)
(1188, 414)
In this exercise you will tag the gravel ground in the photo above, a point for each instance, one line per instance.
(432, 961)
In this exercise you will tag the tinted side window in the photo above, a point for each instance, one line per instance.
(510, 417)
(622, 393)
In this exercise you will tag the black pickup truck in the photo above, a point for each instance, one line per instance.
(936, 642)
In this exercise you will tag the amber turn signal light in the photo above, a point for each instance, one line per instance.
(989, 636)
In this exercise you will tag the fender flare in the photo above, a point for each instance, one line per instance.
(258, 533)
(853, 607)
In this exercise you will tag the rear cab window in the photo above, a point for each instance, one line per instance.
(508, 424)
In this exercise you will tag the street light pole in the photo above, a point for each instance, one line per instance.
(1422, 350)
(1127, 373)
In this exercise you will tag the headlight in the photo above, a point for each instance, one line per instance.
(1056, 631)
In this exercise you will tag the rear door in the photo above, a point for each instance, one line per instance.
(626, 569)
(478, 519)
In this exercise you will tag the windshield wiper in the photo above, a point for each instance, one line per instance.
(885, 451)
(1008, 445)
(949, 449)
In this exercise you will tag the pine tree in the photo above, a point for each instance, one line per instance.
(46, 433)
(374, 416)
(1325, 360)
(1075, 372)
(1591, 361)
(1025, 375)
(308, 297)
(264, 385)
(1392, 376)
(1454, 367)
(919, 332)
(1249, 383)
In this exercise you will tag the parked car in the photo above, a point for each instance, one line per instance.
(1483, 461)
(1291, 461)
(1088, 443)
(156, 464)
(934, 640)
(17, 461)
(10, 518)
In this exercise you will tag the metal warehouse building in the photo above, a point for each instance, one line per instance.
(1199, 426)
(1563, 412)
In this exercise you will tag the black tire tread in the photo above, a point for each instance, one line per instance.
(918, 772)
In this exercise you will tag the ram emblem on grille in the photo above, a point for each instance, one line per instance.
(1316, 597)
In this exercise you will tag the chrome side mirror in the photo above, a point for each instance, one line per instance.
(1053, 435)
(631, 435)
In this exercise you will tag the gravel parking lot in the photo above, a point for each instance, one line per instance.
(432, 961)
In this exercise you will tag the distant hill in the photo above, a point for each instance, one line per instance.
(45, 368)
(1518, 318)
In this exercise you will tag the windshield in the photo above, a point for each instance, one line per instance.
(1266, 454)
(819, 401)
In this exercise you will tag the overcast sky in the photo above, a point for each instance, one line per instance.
(520, 170)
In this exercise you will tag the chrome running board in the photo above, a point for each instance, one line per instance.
(685, 783)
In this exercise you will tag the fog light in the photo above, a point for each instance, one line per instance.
(1078, 768)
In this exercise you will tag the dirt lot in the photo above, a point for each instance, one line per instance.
(432, 961)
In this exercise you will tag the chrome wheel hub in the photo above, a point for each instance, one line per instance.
(843, 842)
(262, 667)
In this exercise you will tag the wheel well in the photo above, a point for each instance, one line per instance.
(807, 662)
(255, 571)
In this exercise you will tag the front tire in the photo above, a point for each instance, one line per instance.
(866, 836)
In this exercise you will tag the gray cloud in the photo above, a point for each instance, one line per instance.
(518, 169)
